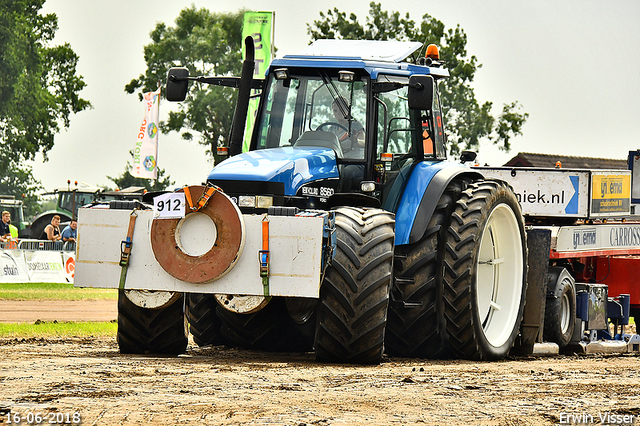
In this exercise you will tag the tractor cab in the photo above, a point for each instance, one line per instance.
(348, 119)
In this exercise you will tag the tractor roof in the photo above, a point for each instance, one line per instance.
(373, 50)
(374, 56)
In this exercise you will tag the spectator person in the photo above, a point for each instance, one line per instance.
(5, 232)
(52, 231)
(70, 232)
(14, 231)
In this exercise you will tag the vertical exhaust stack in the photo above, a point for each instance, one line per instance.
(242, 104)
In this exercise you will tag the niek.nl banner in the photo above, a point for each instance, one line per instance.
(145, 154)
(258, 25)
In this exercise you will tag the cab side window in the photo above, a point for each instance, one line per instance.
(394, 122)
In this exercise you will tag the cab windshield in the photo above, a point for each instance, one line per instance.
(316, 110)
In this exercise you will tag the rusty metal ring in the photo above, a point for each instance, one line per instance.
(220, 259)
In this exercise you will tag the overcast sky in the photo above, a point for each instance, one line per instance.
(574, 65)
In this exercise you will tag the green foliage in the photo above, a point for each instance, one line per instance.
(39, 90)
(207, 44)
(19, 181)
(126, 179)
(468, 121)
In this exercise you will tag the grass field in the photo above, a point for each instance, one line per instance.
(51, 291)
(58, 329)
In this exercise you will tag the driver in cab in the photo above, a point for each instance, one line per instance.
(350, 133)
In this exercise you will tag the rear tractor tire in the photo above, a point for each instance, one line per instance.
(158, 330)
(416, 325)
(354, 295)
(485, 270)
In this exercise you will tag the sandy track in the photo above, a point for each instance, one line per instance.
(227, 386)
(235, 387)
(60, 310)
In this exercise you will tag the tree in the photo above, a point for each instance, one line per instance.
(20, 183)
(467, 121)
(126, 179)
(39, 90)
(207, 44)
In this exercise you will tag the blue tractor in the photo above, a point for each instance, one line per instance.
(422, 257)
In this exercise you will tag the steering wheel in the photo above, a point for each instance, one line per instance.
(332, 123)
(340, 126)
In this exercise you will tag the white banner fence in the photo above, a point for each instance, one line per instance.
(37, 261)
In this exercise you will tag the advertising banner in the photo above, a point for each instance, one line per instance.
(43, 266)
(258, 25)
(558, 192)
(609, 236)
(14, 267)
(610, 193)
(145, 153)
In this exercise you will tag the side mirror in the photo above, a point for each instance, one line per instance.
(420, 92)
(177, 84)
(467, 156)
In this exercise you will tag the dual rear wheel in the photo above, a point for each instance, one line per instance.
(459, 292)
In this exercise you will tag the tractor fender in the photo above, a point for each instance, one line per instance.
(426, 184)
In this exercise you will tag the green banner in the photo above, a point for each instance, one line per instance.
(259, 26)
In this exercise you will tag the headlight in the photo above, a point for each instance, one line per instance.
(246, 201)
(368, 186)
(264, 201)
(260, 201)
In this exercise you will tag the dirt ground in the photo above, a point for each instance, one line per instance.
(58, 310)
(219, 385)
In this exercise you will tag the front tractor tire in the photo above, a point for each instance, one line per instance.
(484, 277)
(161, 330)
(354, 295)
(269, 329)
(204, 324)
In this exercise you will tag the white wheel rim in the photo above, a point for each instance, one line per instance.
(565, 308)
(151, 299)
(241, 304)
(499, 275)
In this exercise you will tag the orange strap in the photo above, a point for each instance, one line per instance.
(265, 233)
(187, 194)
(202, 201)
(125, 249)
(126, 244)
(263, 255)
(204, 198)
